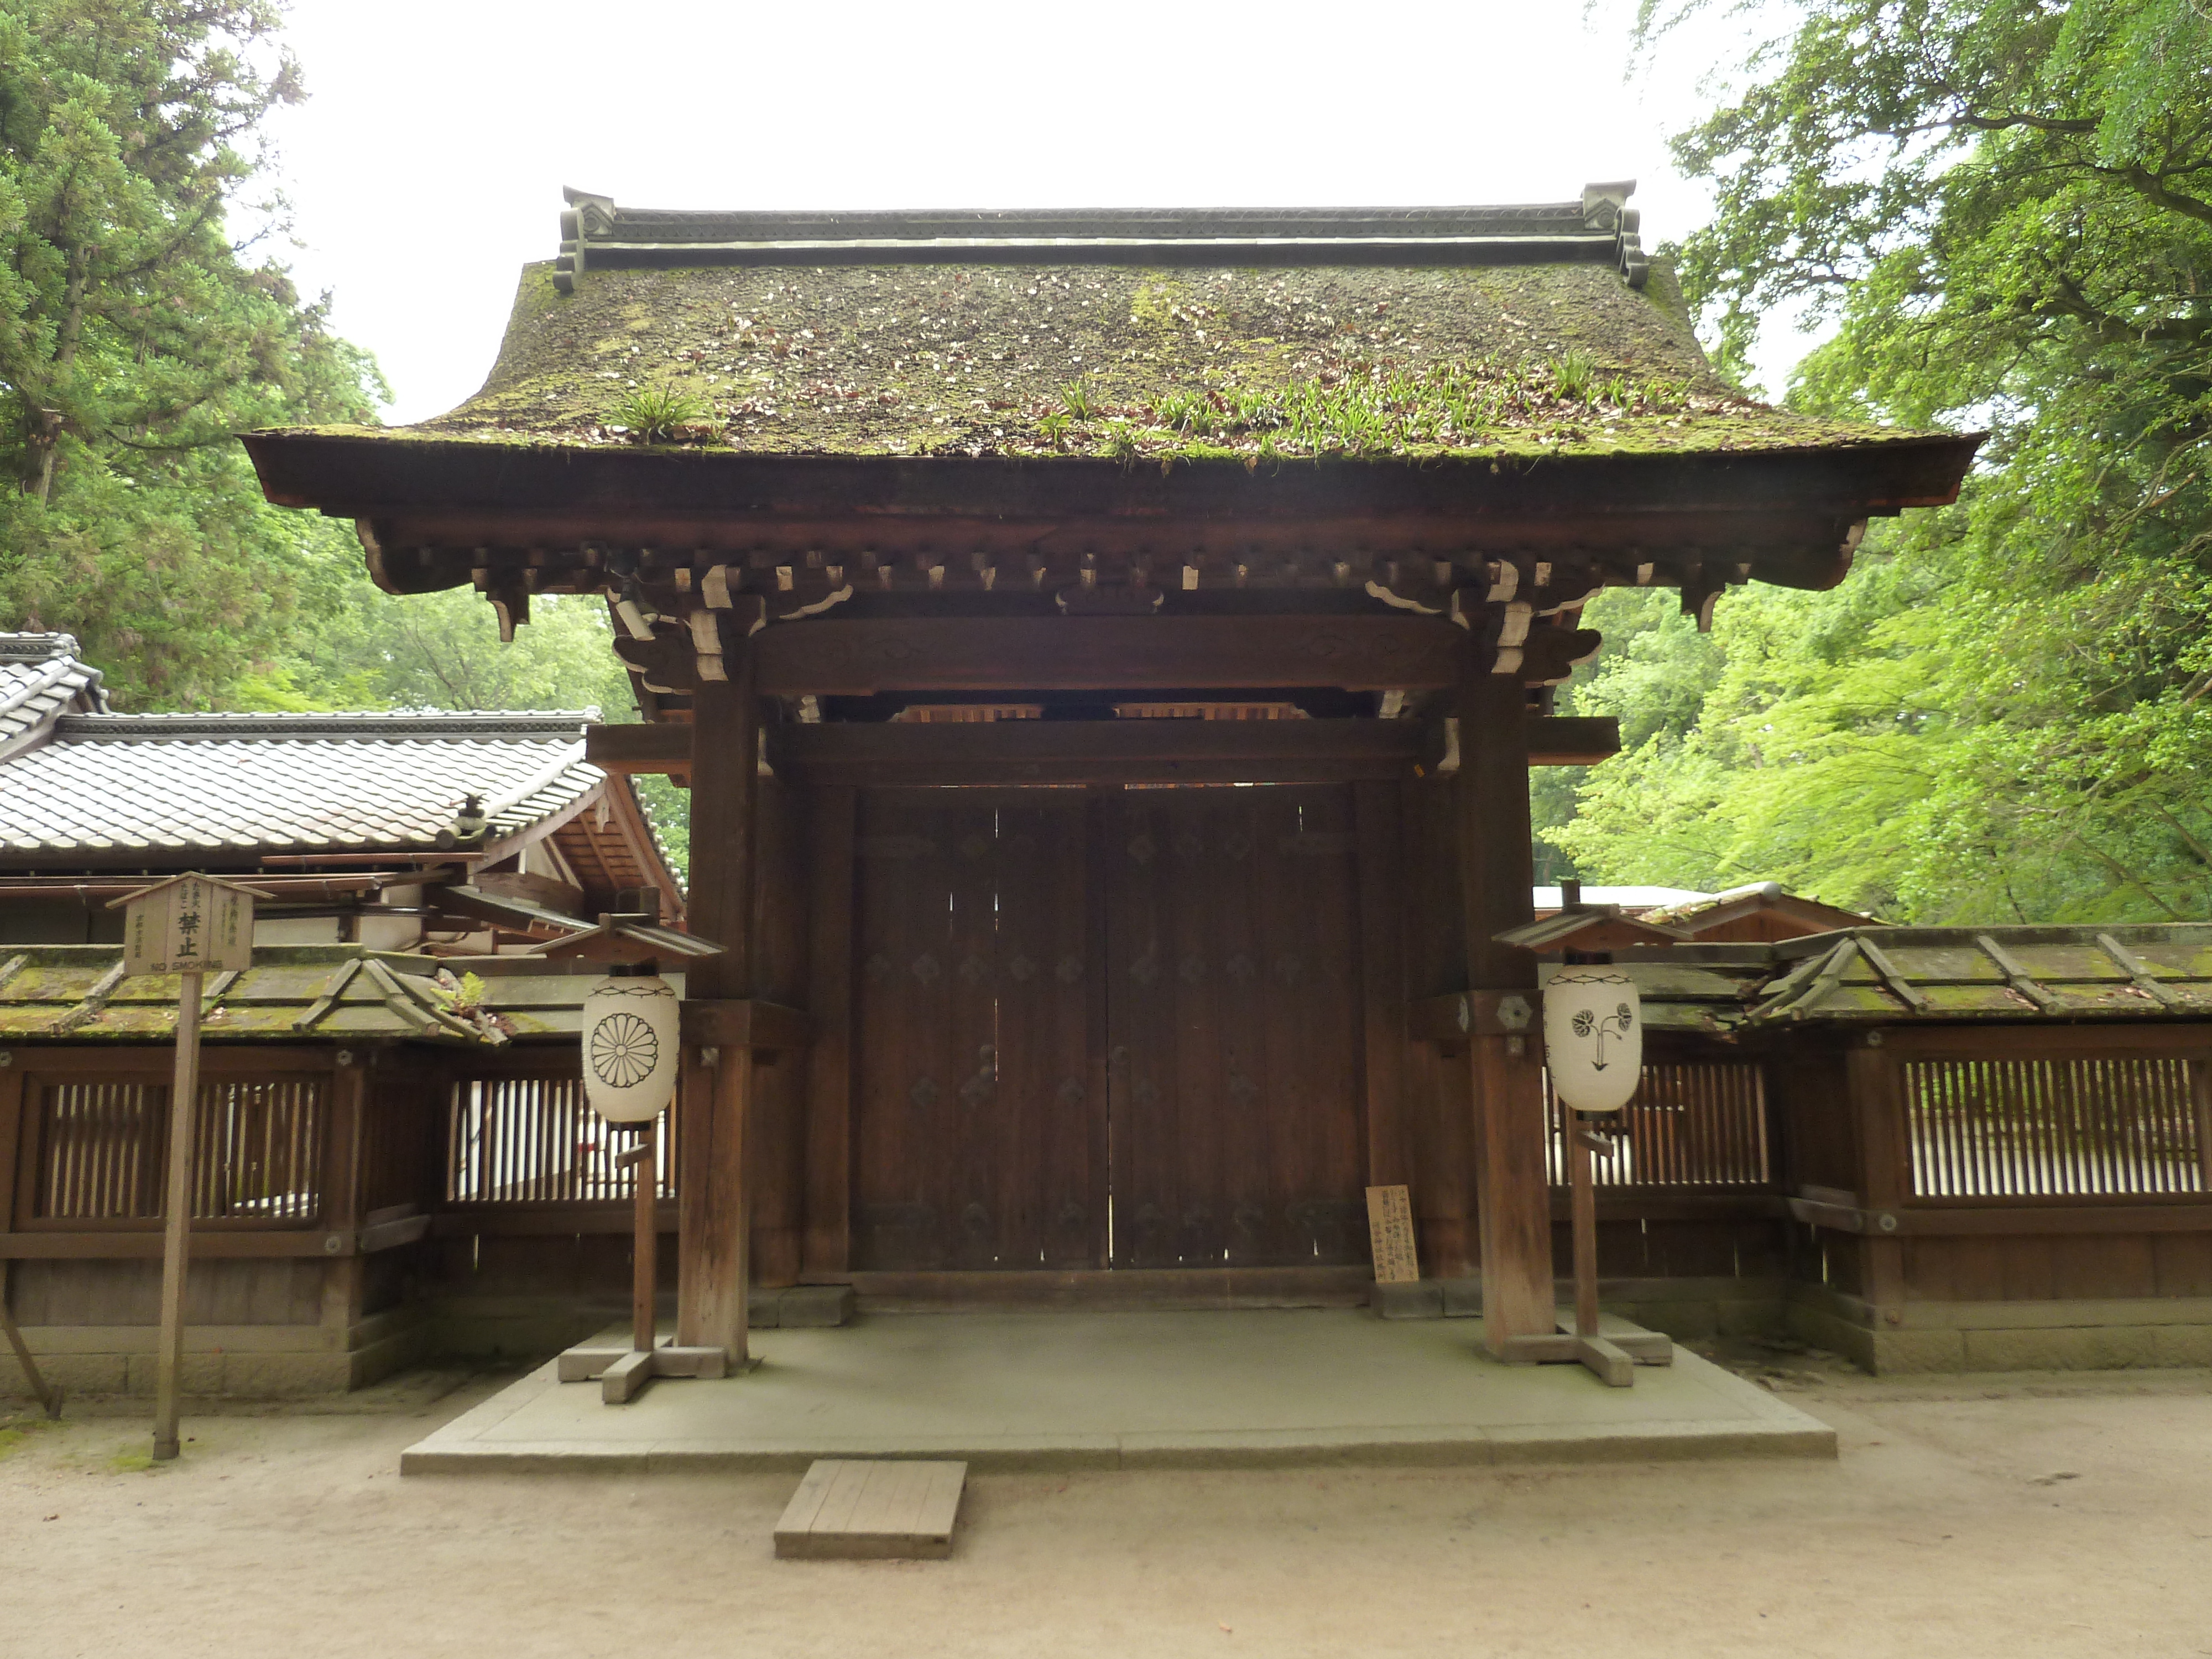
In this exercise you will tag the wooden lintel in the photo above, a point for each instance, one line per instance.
(145, 1244)
(743, 1022)
(643, 748)
(1093, 751)
(1573, 739)
(1099, 751)
(1454, 1017)
(1109, 654)
(2046, 1218)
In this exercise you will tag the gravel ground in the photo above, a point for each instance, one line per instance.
(2045, 1514)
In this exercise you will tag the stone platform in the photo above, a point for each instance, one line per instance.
(1126, 1390)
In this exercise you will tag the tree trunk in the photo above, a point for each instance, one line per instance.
(47, 423)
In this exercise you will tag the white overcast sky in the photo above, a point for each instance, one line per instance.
(426, 167)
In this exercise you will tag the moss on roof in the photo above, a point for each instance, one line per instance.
(1132, 363)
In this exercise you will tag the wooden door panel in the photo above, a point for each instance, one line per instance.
(1233, 1021)
(977, 1125)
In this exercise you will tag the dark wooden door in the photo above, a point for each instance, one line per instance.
(980, 1126)
(1233, 1028)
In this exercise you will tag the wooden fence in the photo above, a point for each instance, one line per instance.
(532, 1139)
(1694, 1125)
(102, 1146)
(2075, 1126)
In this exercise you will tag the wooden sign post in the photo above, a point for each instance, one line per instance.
(188, 925)
(1390, 1230)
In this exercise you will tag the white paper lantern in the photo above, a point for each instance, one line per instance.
(630, 1048)
(1593, 1037)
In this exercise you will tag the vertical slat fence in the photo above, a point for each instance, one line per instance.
(257, 1154)
(524, 1140)
(2064, 1126)
(1692, 1124)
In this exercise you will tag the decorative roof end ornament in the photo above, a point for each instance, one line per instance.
(1605, 207)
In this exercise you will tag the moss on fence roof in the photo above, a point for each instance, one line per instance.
(292, 994)
(1123, 362)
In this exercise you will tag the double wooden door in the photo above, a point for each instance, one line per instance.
(1107, 1028)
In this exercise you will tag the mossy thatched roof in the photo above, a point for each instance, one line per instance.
(1523, 331)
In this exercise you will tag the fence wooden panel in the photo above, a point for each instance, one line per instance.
(525, 1139)
(403, 1135)
(2054, 1126)
(256, 1152)
(1695, 1124)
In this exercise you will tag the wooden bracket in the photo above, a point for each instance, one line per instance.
(743, 1023)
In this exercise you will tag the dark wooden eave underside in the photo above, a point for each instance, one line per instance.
(1785, 512)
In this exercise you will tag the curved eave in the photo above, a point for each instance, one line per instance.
(358, 475)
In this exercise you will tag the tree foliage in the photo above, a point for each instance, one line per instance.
(136, 339)
(2006, 207)
(443, 650)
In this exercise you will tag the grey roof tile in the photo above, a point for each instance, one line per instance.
(41, 680)
(287, 782)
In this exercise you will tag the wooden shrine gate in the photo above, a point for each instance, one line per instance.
(1107, 1028)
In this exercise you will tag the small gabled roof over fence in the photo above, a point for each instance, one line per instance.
(1890, 973)
(41, 679)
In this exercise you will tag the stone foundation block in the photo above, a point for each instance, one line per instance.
(1423, 1299)
(2094, 1348)
(2182, 1345)
(1898, 1351)
(814, 1306)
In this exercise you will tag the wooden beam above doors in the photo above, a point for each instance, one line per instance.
(1109, 654)
(1093, 751)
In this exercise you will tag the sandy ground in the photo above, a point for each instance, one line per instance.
(2021, 1516)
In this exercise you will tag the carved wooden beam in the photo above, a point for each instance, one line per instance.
(1354, 653)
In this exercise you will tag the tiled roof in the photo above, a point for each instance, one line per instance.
(255, 783)
(41, 679)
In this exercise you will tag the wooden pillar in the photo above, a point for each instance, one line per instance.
(712, 1272)
(1497, 871)
(833, 824)
(345, 1279)
(1885, 1173)
(1383, 983)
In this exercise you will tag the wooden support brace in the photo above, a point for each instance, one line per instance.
(49, 1398)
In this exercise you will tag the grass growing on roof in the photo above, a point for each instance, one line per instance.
(1367, 408)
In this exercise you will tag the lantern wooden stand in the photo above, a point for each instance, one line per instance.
(1594, 1045)
(1612, 1358)
(624, 1373)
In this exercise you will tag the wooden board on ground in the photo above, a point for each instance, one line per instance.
(1390, 1233)
(871, 1509)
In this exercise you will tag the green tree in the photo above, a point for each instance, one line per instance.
(443, 650)
(136, 340)
(2006, 209)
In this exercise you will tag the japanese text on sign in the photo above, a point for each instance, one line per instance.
(188, 925)
(1390, 1229)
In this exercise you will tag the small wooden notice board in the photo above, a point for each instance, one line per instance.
(1390, 1230)
(189, 925)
